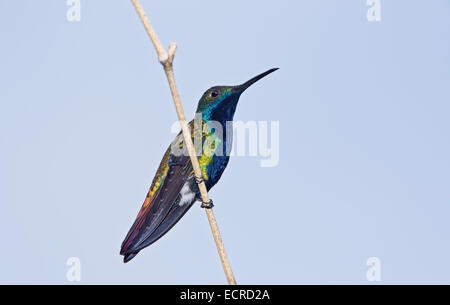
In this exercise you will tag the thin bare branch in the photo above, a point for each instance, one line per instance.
(166, 59)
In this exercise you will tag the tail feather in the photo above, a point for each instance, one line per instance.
(129, 256)
(167, 217)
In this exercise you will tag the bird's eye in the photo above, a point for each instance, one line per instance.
(214, 93)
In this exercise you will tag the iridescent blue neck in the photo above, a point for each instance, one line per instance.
(221, 112)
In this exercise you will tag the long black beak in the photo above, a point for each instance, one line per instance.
(241, 88)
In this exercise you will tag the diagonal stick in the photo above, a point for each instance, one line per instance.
(166, 59)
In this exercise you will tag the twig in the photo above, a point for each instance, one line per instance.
(166, 59)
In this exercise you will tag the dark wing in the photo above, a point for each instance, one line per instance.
(178, 209)
(172, 193)
(163, 193)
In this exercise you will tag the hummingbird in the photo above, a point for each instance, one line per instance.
(174, 188)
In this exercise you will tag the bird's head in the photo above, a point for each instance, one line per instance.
(219, 102)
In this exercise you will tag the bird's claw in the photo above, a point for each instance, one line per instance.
(207, 205)
(199, 180)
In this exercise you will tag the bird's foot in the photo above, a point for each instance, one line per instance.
(199, 180)
(207, 205)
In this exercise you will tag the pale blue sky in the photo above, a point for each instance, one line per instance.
(364, 140)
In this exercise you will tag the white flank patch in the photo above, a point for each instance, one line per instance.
(186, 194)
